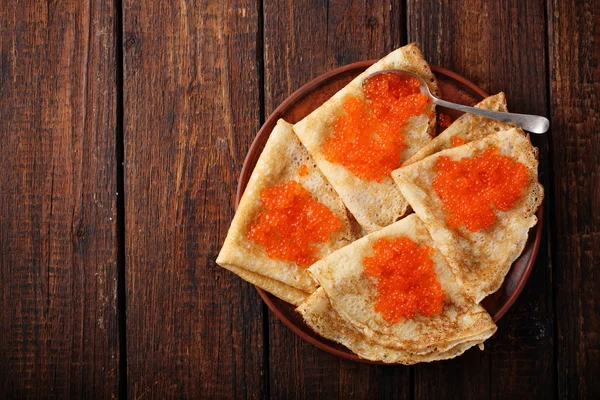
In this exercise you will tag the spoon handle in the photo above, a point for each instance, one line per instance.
(530, 123)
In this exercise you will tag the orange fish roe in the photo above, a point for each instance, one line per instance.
(290, 222)
(407, 283)
(368, 139)
(455, 141)
(303, 170)
(470, 188)
(443, 121)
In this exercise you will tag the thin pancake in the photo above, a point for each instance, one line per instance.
(279, 162)
(479, 259)
(373, 204)
(353, 295)
(318, 313)
(467, 127)
(285, 292)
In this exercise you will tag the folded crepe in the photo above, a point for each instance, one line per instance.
(283, 159)
(285, 292)
(480, 258)
(353, 295)
(467, 128)
(374, 204)
(320, 316)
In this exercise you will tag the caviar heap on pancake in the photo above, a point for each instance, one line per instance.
(368, 139)
(456, 141)
(291, 222)
(303, 170)
(391, 296)
(472, 187)
(407, 283)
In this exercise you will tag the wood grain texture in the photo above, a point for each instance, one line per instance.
(191, 107)
(501, 47)
(574, 36)
(199, 78)
(303, 40)
(58, 259)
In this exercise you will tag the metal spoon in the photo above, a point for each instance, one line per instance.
(530, 123)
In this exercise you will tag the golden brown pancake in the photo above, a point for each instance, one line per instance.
(373, 204)
(467, 127)
(279, 163)
(320, 316)
(354, 293)
(285, 292)
(482, 258)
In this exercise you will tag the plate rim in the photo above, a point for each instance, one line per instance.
(251, 159)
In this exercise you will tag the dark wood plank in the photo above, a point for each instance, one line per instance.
(191, 108)
(340, 33)
(303, 40)
(58, 253)
(501, 47)
(574, 37)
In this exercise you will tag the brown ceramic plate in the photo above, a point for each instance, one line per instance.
(454, 88)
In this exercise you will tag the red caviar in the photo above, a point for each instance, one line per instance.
(368, 139)
(407, 283)
(455, 141)
(444, 121)
(291, 222)
(472, 187)
(303, 170)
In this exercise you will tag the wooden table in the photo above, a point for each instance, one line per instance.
(123, 127)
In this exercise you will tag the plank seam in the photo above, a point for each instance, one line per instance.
(260, 66)
(404, 34)
(549, 216)
(119, 158)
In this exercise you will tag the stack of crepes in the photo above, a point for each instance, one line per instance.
(384, 237)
